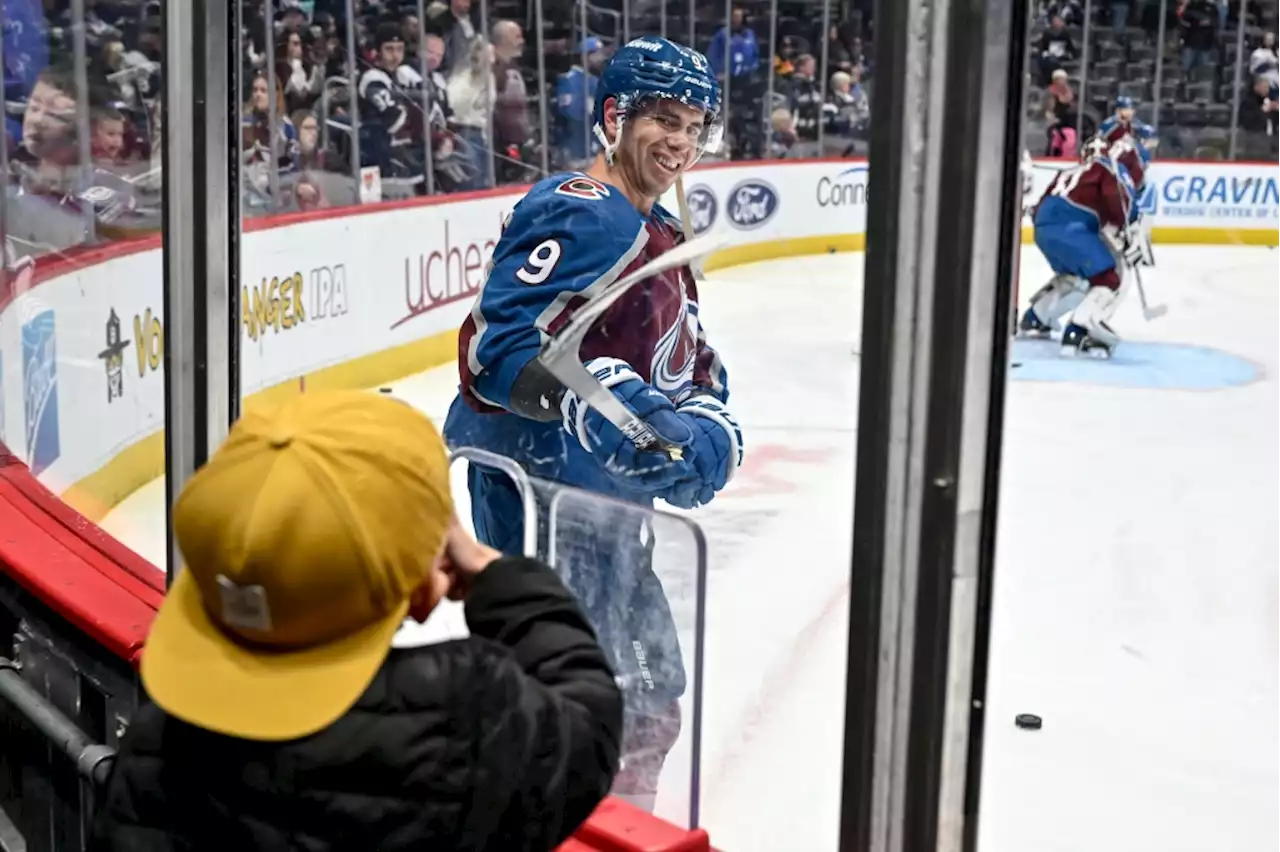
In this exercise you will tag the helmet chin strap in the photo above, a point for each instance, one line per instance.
(610, 148)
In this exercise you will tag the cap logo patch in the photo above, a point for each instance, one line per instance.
(243, 607)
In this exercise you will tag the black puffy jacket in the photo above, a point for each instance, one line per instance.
(503, 741)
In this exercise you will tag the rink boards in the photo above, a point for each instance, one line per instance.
(82, 404)
(358, 296)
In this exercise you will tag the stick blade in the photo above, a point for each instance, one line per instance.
(1155, 312)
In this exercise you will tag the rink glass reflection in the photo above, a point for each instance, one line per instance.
(358, 104)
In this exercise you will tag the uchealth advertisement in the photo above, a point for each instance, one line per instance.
(449, 269)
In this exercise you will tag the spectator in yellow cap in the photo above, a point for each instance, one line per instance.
(280, 717)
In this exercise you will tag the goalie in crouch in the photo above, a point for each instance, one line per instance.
(657, 108)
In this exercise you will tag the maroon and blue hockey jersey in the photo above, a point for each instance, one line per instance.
(564, 242)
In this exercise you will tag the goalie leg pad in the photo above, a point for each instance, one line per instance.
(1095, 312)
(1058, 298)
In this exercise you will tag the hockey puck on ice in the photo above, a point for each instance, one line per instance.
(1028, 721)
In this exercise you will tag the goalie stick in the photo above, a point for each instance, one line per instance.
(1151, 312)
(561, 355)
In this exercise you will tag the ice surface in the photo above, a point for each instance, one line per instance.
(1136, 590)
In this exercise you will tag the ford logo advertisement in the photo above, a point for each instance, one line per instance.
(751, 204)
(703, 208)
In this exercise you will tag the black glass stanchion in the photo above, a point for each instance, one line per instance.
(201, 126)
(939, 266)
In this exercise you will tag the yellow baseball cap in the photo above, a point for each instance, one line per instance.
(303, 539)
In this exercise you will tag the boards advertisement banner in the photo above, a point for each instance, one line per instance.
(81, 353)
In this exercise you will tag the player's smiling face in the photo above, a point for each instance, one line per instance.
(658, 143)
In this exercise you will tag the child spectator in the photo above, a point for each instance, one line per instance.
(279, 715)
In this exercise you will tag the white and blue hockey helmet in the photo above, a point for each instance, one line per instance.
(653, 67)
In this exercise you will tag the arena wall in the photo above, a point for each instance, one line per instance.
(354, 297)
(358, 296)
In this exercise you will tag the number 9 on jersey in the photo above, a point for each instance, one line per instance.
(541, 263)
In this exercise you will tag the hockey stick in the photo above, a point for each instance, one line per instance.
(561, 354)
(1151, 312)
(686, 224)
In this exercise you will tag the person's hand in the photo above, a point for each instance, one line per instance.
(461, 561)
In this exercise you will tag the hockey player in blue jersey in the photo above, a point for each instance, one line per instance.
(1087, 228)
(657, 108)
(1122, 122)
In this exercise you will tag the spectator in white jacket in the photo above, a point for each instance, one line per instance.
(471, 95)
(1263, 63)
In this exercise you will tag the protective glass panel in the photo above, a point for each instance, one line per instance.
(1249, 84)
(1104, 620)
(382, 147)
(300, 129)
(1202, 74)
(641, 578)
(782, 304)
(81, 340)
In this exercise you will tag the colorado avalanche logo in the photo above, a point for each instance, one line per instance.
(751, 204)
(674, 355)
(581, 186)
(703, 208)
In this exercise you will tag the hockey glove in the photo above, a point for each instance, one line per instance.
(635, 469)
(717, 451)
(1137, 246)
(688, 493)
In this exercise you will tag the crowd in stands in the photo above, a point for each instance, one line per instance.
(454, 100)
(1186, 86)
(450, 101)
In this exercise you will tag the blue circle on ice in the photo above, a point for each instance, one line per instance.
(1134, 364)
